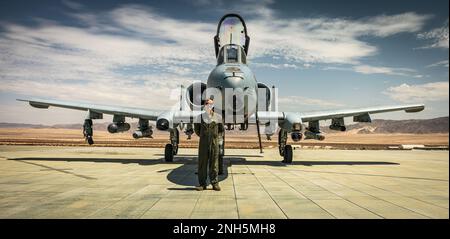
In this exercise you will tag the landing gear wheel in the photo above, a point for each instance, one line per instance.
(90, 140)
(287, 157)
(168, 153)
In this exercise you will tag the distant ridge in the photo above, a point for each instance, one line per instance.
(378, 126)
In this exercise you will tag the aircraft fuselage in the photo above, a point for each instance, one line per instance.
(238, 88)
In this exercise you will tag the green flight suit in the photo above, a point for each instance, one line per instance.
(208, 150)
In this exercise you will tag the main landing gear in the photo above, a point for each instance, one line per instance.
(172, 149)
(88, 131)
(285, 149)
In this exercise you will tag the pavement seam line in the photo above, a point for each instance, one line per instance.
(257, 179)
(402, 196)
(370, 175)
(234, 190)
(378, 198)
(140, 217)
(302, 193)
(406, 196)
(345, 198)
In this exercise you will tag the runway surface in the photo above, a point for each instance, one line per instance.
(88, 182)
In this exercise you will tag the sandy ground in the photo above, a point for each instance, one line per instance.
(115, 182)
(68, 137)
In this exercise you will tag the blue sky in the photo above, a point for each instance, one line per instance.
(320, 54)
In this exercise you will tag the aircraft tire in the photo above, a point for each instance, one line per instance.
(90, 140)
(287, 158)
(168, 153)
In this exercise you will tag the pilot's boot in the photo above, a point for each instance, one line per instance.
(200, 188)
(216, 187)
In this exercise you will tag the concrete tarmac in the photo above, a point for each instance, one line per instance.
(100, 182)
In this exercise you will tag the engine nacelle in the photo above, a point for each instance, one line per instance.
(165, 121)
(143, 133)
(296, 136)
(292, 122)
(118, 127)
(264, 97)
(194, 95)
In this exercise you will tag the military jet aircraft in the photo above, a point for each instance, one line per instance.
(243, 106)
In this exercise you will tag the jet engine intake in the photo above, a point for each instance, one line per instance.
(296, 136)
(118, 127)
(292, 122)
(194, 95)
(165, 121)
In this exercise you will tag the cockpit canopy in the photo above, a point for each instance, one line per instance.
(231, 53)
(231, 32)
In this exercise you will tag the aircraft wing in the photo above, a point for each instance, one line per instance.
(332, 114)
(101, 109)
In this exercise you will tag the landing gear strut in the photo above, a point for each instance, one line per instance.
(284, 149)
(172, 148)
(88, 131)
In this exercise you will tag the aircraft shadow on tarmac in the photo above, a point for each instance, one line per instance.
(185, 175)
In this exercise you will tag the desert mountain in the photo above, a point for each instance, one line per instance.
(380, 126)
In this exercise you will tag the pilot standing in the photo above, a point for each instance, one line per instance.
(208, 150)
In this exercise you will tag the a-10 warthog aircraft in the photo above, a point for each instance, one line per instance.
(238, 98)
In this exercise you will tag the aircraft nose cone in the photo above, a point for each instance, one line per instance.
(233, 82)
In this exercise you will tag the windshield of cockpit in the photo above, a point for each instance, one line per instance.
(231, 54)
(231, 41)
(232, 31)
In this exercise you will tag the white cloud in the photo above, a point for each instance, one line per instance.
(276, 66)
(365, 69)
(369, 70)
(326, 40)
(105, 64)
(443, 63)
(133, 55)
(437, 36)
(72, 4)
(435, 91)
(294, 100)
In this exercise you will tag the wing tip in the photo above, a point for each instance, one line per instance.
(415, 108)
(35, 104)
